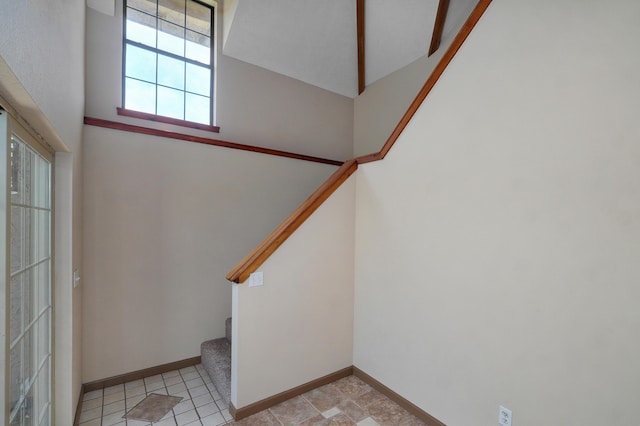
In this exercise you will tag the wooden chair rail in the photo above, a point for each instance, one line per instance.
(207, 141)
(258, 255)
(262, 252)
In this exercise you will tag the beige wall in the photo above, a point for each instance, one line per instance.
(165, 221)
(298, 326)
(49, 93)
(254, 106)
(497, 244)
(377, 111)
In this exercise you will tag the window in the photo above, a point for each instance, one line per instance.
(168, 59)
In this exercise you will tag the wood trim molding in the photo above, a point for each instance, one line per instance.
(360, 35)
(438, 26)
(168, 120)
(258, 255)
(256, 407)
(140, 374)
(404, 403)
(464, 32)
(207, 141)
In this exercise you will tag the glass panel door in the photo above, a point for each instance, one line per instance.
(28, 282)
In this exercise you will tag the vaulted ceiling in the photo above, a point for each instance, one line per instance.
(316, 41)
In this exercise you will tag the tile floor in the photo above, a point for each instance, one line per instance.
(201, 404)
(346, 402)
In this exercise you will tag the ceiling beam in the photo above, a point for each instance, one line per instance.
(360, 30)
(438, 26)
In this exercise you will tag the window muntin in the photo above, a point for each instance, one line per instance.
(168, 59)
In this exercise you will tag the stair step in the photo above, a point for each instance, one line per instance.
(216, 360)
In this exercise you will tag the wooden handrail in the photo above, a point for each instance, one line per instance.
(457, 42)
(258, 255)
(253, 260)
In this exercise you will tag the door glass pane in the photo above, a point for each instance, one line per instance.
(28, 299)
(43, 393)
(15, 376)
(16, 308)
(43, 338)
(17, 238)
(43, 278)
(29, 292)
(41, 223)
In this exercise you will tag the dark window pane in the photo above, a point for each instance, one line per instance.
(197, 109)
(170, 72)
(170, 103)
(198, 80)
(140, 96)
(172, 11)
(141, 28)
(141, 64)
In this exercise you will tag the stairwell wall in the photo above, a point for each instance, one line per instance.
(496, 244)
(298, 326)
(165, 221)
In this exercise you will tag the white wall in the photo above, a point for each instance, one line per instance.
(298, 326)
(42, 69)
(377, 111)
(497, 243)
(254, 106)
(165, 221)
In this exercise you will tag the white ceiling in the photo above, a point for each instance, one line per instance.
(315, 41)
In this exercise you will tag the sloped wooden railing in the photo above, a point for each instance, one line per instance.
(258, 255)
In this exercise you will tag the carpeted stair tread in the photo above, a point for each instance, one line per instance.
(216, 360)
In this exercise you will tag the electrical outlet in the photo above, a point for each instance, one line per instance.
(504, 416)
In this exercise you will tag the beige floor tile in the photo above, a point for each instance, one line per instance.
(324, 398)
(293, 411)
(353, 410)
(352, 387)
(263, 418)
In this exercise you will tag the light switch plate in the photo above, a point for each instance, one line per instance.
(256, 279)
